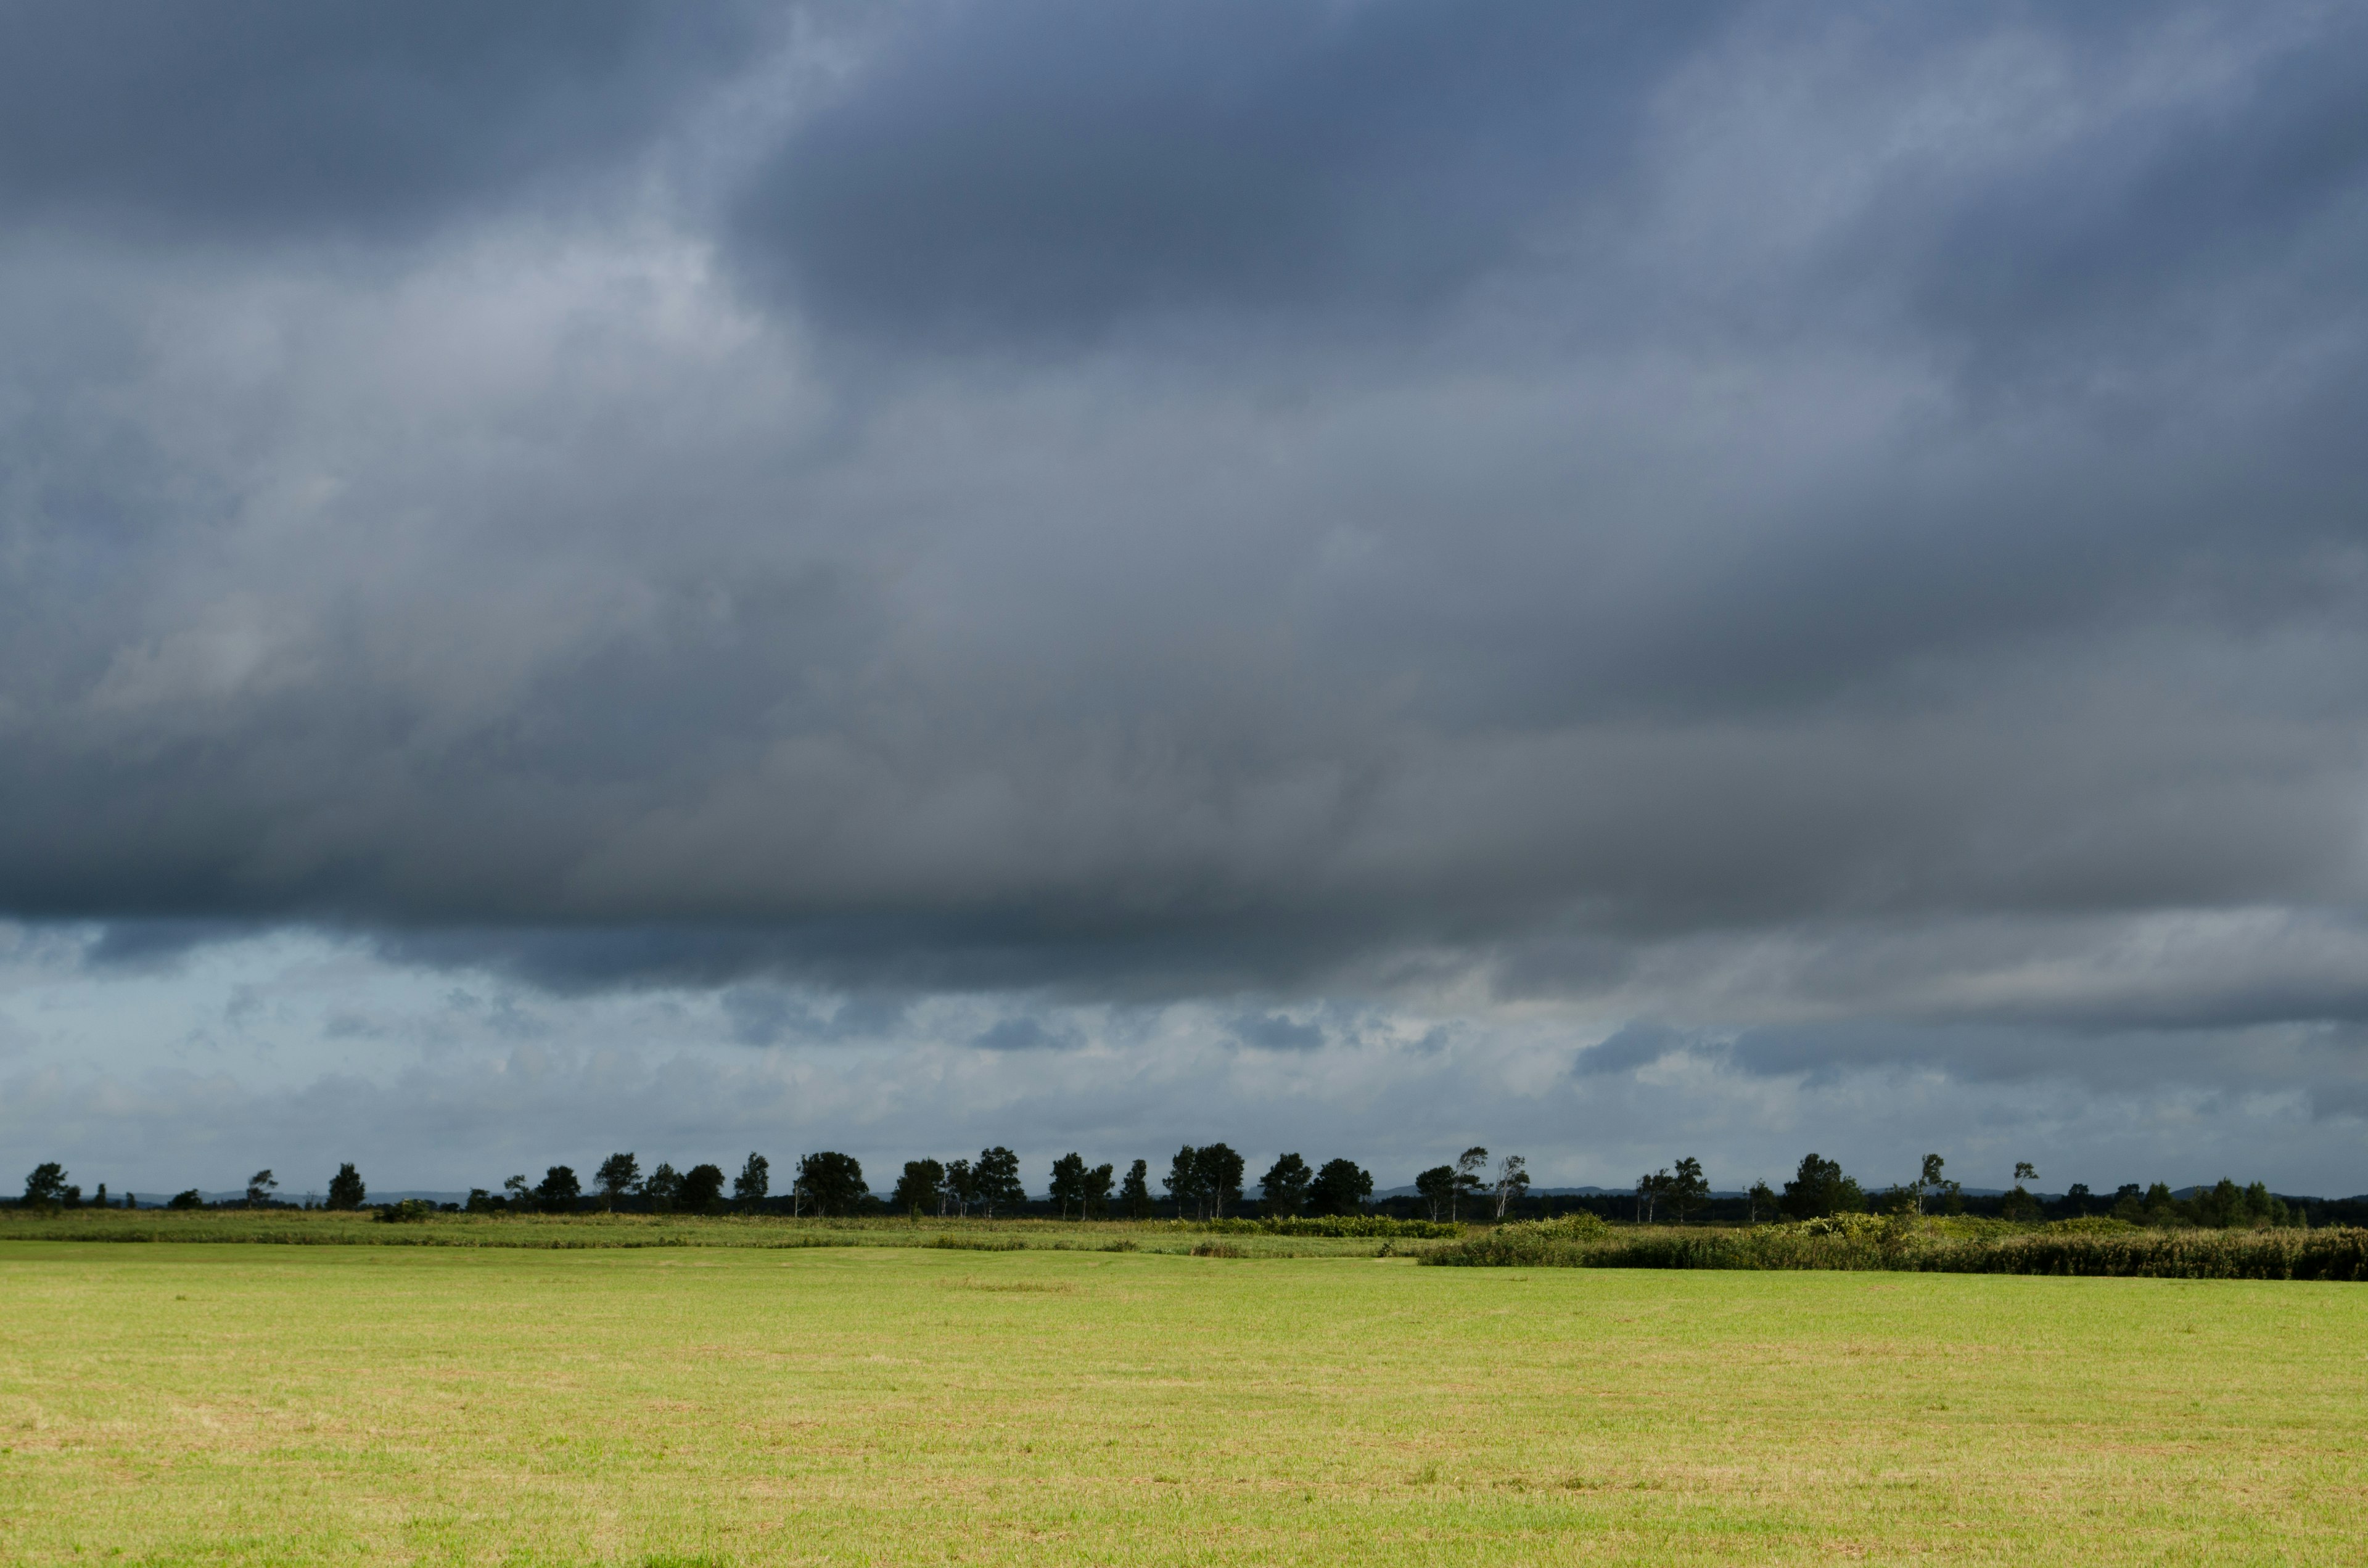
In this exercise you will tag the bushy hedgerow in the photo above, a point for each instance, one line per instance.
(1553, 1244)
(410, 1211)
(1900, 1243)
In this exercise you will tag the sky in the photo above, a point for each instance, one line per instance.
(1355, 577)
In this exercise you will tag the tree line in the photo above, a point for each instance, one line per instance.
(1202, 1183)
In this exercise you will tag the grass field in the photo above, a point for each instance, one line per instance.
(171, 1404)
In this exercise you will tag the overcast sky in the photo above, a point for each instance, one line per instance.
(1359, 577)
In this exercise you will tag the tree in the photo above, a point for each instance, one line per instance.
(45, 1188)
(193, 1199)
(833, 1181)
(921, 1188)
(1221, 1177)
(756, 1179)
(517, 1193)
(1183, 1183)
(998, 1180)
(1688, 1190)
(962, 1185)
(1437, 1187)
(258, 1189)
(1761, 1196)
(1135, 1193)
(1069, 1183)
(702, 1188)
(480, 1201)
(618, 1175)
(1512, 1180)
(2077, 1198)
(1096, 1204)
(1285, 1186)
(1819, 1187)
(2018, 1204)
(559, 1190)
(1650, 1191)
(1468, 1166)
(1340, 1188)
(345, 1188)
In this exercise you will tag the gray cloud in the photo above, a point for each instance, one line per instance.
(1834, 534)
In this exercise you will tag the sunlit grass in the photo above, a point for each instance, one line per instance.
(898, 1404)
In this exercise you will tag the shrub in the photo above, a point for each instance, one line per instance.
(410, 1211)
(1556, 1243)
(190, 1199)
(1218, 1249)
(980, 1244)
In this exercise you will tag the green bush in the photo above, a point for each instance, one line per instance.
(410, 1211)
(1336, 1226)
(980, 1244)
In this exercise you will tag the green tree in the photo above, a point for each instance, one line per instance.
(1437, 1189)
(833, 1181)
(559, 1190)
(1651, 1191)
(1468, 1183)
(1512, 1180)
(1761, 1196)
(1183, 1183)
(45, 1188)
(1285, 1186)
(1068, 1185)
(1097, 1191)
(1688, 1189)
(2018, 1204)
(755, 1180)
(702, 1188)
(193, 1199)
(518, 1193)
(962, 1185)
(1340, 1188)
(1135, 1193)
(345, 1188)
(998, 1181)
(2078, 1197)
(258, 1189)
(1221, 1177)
(921, 1190)
(1819, 1187)
(618, 1175)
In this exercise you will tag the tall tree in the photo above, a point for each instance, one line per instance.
(921, 1190)
(45, 1186)
(1761, 1196)
(1183, 1183)
(834, 1181)
(962, 1185)
(1284, 1186)
(998, 1181)
(345, 1188)
(1068, 1186)
(258, 1189)
(1819, 1187)
(1651, 1189)
(702, 1188)
(755, 1180)
(618, 1175)
(1135, 1193)
(1221, 1176)
(2018, 1204)
(1512, 1180)
(1340, 1188)
(664, 1187)
(1095, 1204)
(1468, 1166)
(1437, 1187)
(559, 1190)
(1688, 1190)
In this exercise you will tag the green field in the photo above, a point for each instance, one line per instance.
(262, 1403)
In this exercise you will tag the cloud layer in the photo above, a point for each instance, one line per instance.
(1834, 531)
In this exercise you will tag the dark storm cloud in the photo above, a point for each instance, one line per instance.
(1722, 516)
(248, 119)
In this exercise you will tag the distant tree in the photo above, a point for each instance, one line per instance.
(962, 1185)
(1183, 1184)
(1135, 1193)
(1512, 1180)
(1688, 1189)
(1436, 1187)
(662, 1188)
(45, 1188)
(1285, 1186)
(702, 1188)
(2078, 1197)
(258, 1189)
(480, 1201)
(1340, 1188)
(616, 1177)
(1761, 1196)
(1098, 1192)
(193, 1199)
(101, 1199)
(345, 1188)
(559, 1190)
(1929, 1180)
(2018, 1204)
(1819, 1187)
(1652, 1189)
(998, 1181)
(834, 1182)
(517, 1191)
(1221, 1177)
(1068, 1184)
(756, 1179)
(2129, 1203)
(921, 1190)
(1469, 1165)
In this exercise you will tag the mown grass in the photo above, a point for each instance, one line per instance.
(215, 1404)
